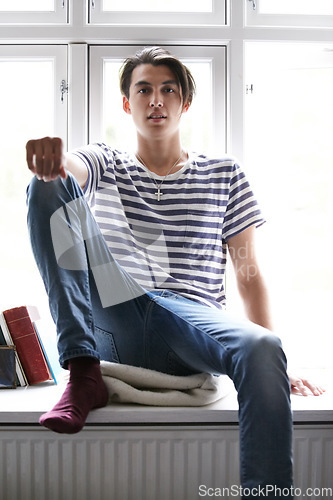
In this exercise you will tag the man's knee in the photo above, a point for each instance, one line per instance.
(41, 194)
(44, 198)
(262, 348)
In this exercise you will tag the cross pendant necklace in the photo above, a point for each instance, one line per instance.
(158, 193)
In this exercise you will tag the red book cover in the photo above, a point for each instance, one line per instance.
(28, 348)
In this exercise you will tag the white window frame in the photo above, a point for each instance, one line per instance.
(77, 95)
(255, 18)
(216, 55)
(218, 16)
(58, 16)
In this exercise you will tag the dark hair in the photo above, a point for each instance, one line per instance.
(158, 56)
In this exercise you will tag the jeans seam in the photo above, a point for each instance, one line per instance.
(191, 324)
(202, 332)
(147, 316)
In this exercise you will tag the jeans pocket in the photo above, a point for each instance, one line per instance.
(106, 346)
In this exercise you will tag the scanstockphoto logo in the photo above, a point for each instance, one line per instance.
(268, 491)
(243, 257)
(79, 245)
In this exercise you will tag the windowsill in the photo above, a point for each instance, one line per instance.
(23, 406)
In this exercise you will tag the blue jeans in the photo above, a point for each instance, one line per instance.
(100, 311)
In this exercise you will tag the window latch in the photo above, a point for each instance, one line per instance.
(254, 4)
(63, 89)
(249, 89)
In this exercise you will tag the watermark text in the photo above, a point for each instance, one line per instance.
(267, 491)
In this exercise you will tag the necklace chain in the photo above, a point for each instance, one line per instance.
(158, 186)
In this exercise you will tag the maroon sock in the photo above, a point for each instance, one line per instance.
(85, 391)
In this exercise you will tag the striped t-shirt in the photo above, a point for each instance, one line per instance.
(180, 242)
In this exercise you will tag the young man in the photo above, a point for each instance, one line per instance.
(141, 282)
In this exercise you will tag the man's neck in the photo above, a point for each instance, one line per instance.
(160, 156)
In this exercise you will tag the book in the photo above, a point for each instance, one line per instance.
(49, 364)
(19, 322)
(6, 339)
(7, 367)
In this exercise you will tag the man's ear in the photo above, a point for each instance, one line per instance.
(126, 105)
(186, 107)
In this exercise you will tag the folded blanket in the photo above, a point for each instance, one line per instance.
(130, 384)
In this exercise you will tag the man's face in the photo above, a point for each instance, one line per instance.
(155, 101)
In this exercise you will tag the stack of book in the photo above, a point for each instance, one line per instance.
(18, 328)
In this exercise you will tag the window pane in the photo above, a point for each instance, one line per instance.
(306, 7)
(158, 5)
(289, 155)
(28, 6)
(197, 128)
(158, 12)
(27, 110)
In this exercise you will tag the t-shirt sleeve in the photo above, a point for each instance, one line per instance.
(98, 158)
(242, 209)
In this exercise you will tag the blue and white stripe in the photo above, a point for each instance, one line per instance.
(180, 242)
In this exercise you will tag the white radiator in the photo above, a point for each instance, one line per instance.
(144, 463)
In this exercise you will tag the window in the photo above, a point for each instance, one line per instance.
(260, 92)
(203, 128)
(30, 107)
(290, 13)
(158, 6)
(154, 12)
(299, 7)
(289, 155)
(23, 6)
(33, 11)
